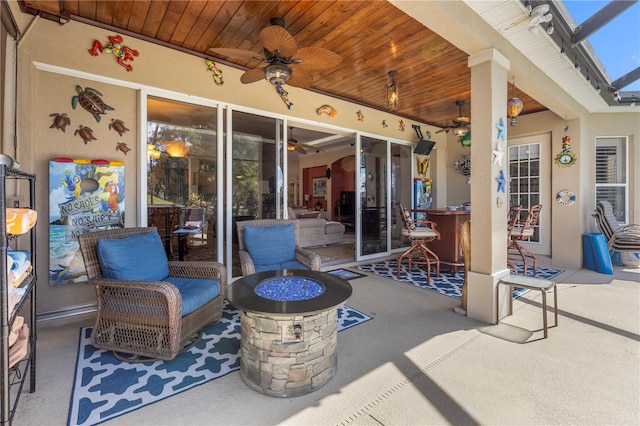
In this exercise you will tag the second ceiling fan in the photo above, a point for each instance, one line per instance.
(281, 61)
(460, 125)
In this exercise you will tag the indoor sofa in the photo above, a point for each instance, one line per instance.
(316, 230)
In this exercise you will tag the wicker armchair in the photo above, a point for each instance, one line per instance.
(305, 257)
(144, 318)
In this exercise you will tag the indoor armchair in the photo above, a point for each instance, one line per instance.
(148, 306)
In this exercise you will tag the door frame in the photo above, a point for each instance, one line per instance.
(543, 247)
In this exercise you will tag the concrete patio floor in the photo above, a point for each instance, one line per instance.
(418, 362)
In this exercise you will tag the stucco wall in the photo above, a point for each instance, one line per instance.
(53, 59)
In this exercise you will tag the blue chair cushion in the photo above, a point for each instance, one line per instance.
(270, 245)
(290, 264)
(195, 292)
(140, 257)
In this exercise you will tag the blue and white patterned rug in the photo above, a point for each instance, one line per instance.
(104, 388)
(447, 283)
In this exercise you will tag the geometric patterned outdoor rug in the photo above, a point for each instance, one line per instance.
(104, 388)
(447, 283)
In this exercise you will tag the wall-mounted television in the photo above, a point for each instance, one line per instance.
(424, 147)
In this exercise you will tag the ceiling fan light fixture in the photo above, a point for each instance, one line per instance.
(277, 74)
(392, 91)
(460, 131)
(514, 105)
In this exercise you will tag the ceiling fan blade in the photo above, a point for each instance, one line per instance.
(316, 59)
(237, 53)
(443, 130)
(300, 149)
(251, 76)
(275, 38)
(300, 79)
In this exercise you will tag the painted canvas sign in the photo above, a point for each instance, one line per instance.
(84, 196)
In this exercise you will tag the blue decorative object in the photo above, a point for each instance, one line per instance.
(501, 129)
(502, 181)
(287, 289)
(138, 258)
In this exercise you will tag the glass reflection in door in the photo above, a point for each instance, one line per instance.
(373, 196)
(401, 156)
(256, 176)
(181, 176)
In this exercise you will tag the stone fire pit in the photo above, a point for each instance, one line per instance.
(289, 329)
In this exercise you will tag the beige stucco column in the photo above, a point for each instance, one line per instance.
(489, 75)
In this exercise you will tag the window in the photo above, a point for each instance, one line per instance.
(611, 175)
(524, 180)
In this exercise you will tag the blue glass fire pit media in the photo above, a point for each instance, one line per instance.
(289, 289)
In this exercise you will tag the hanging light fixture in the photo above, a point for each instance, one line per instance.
(277, 73)
(563, 50)
(514, 105)
(460, 131)
(392, 91)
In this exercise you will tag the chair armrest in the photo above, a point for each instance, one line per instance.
(147, 298)
(633, 230)
(208, 270)
(430, 224)
(248, 267)
(312, 260)
(198, 269)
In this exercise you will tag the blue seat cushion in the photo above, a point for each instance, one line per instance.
(290, 264)
(270, 245)
(195, 292)
(140, 257)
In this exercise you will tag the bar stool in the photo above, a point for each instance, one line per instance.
(419, 253)
(531, 283)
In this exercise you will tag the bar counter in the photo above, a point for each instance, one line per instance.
(448, 223)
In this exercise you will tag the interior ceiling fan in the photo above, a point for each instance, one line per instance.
(460, 124)
(294, 145)
(281, 61)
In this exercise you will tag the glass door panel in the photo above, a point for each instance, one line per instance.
(181, 176)
(255, 176)
(373, 196)
(401, 156)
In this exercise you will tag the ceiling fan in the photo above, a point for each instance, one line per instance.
(281, 61)
(294, 145)
(460, 124)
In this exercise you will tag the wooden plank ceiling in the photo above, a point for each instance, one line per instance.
(372, 37)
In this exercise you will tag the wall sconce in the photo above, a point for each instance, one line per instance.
(514, 105)
(392, 91)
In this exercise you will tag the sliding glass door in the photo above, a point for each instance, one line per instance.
(373, 202)
(181, 176)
